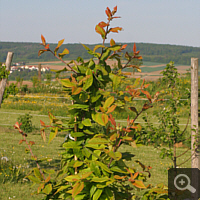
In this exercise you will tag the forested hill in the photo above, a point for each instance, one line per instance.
(161, 53)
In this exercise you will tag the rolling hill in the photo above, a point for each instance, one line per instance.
(162, 53)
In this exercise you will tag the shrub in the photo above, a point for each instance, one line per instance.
(26, 121)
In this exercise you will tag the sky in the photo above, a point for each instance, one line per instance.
(148, 21)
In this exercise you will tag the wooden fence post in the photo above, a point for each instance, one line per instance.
(194, 114)
(4, 81)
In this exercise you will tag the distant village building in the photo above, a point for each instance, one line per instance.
(30, 68)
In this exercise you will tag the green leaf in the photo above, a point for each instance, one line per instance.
(38, 174)
(87, 122)
(94, 146)
(78, 106)
(92, 190)
(100, 180)
(98, 46)
(72, 178)
(109, 193)
(114, 47)
(53, 134)
(108, 102)
(95, 98)
(117, 169)
(79, 197)
(34, 179)
(72, 145)
(49, 171)
(100, 118)
(78, 164)
(102, 69)
(103, 166)
(115, 155)
(84, 97)
(88, 132)
(91, 64)
(105, 54)
(97, 194)
(116, 80)
(88, 82)
(63, 187)
(67, 83)
(95, 169)
(82, 69)
(96, 155)
(65, 51)
(86, 152)
(77, 134)
(91, 52)
(47, 189)
(98, 141)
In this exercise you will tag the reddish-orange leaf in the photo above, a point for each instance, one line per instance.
(116, 17)
(73, 79)
(135, 175)
(139, 184)
(102, 24)
(42, 123)
(147, 95)
(47, 46)
(112, 42)
(17, 126)
(127, 130)
(21, 141)
(146, 106)
(47, 179)
(105, 118)
(111, 109)
(43, 40)
(77, 188)
(146, 86)
(123, 47)
(119, 177)
(41, 51)
(133, 109)
(114, 136)
(76, 90)
(138, 57)
(134, 127)
(60, 43)
(102, 109)
(134, 48)
(136, 53)
(31, 143)
(114, 10)
(116, 29)
(111, 119)
(108, 12)
(100, 30)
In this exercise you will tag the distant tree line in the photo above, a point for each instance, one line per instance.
(162, 53)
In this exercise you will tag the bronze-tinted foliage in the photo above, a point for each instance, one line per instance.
(91, 166)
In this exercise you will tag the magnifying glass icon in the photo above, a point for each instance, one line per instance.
(183, 183)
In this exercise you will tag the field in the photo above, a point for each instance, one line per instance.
(10, 148)
(39, 104)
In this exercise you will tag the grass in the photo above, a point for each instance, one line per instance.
(10, 148)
